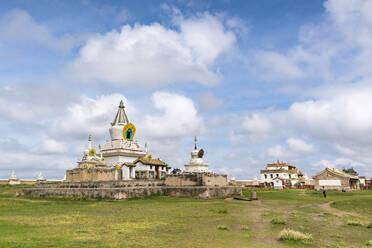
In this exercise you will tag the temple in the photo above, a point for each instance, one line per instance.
(121, 170)
(284, 171)
(120, 158)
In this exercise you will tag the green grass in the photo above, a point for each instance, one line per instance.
(278, 221)
(159, 221)
(353, 223)
(223, 227)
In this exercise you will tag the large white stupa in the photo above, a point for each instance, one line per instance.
(196, 163)
(122, 148)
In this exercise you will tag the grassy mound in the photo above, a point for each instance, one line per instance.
(278, 221)
(289, 234)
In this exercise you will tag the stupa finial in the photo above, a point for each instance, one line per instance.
(195, 145)
(120, 117)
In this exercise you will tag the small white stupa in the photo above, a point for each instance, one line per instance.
(40, 177)
(196, 163)
(13, 179)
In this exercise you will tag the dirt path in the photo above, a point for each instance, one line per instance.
(261, 224)
(340, 213)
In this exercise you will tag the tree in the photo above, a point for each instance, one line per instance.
(350, 171)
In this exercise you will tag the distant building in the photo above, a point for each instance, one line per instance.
(288, 172)
(362, 182)
(245, 183)
(331, 178)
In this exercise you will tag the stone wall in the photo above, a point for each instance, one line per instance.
(128, 189)
(101, 185)
(196, 179)
(90, 174)
(203, 191)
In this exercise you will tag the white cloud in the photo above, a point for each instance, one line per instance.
(298, 145)
(153, 54)
(274, 66)
(207, 101)
(254, 128)
(339, 47)
(177, 117)
(50, 146)
(17, 26)
(344, 150)
(339, 163)
(88, 116)
(31, 102)
(345, 115)
(279, 152)
(256, 124)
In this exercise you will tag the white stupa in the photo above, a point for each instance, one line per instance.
(40, 177)
(13, 179)
(122, 148)
(196, 163)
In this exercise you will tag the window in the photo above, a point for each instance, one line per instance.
(265, 176)
(151, 174)
(289, 175)
(163, 174)
(143, 174)
(150, 167)
(277, 175)
(137, 175)
(271, 175)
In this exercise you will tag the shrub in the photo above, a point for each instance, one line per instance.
(288, 234)
(369, 243)
(222, 227)
(353, 223)
(244, 228)
(278, 221)
(223, 211)
(369, 225)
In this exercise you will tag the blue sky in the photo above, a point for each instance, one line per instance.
(256, 81)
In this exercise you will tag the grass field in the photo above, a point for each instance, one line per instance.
(341, 220)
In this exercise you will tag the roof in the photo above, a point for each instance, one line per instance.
(150, 161)
(279, 164)
(336, 172)
(129, 164)
(294, 170)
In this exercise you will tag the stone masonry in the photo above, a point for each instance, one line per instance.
(128, 189)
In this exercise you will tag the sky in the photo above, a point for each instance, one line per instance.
(255, 81)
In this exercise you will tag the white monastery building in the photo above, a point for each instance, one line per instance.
(288, 172)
